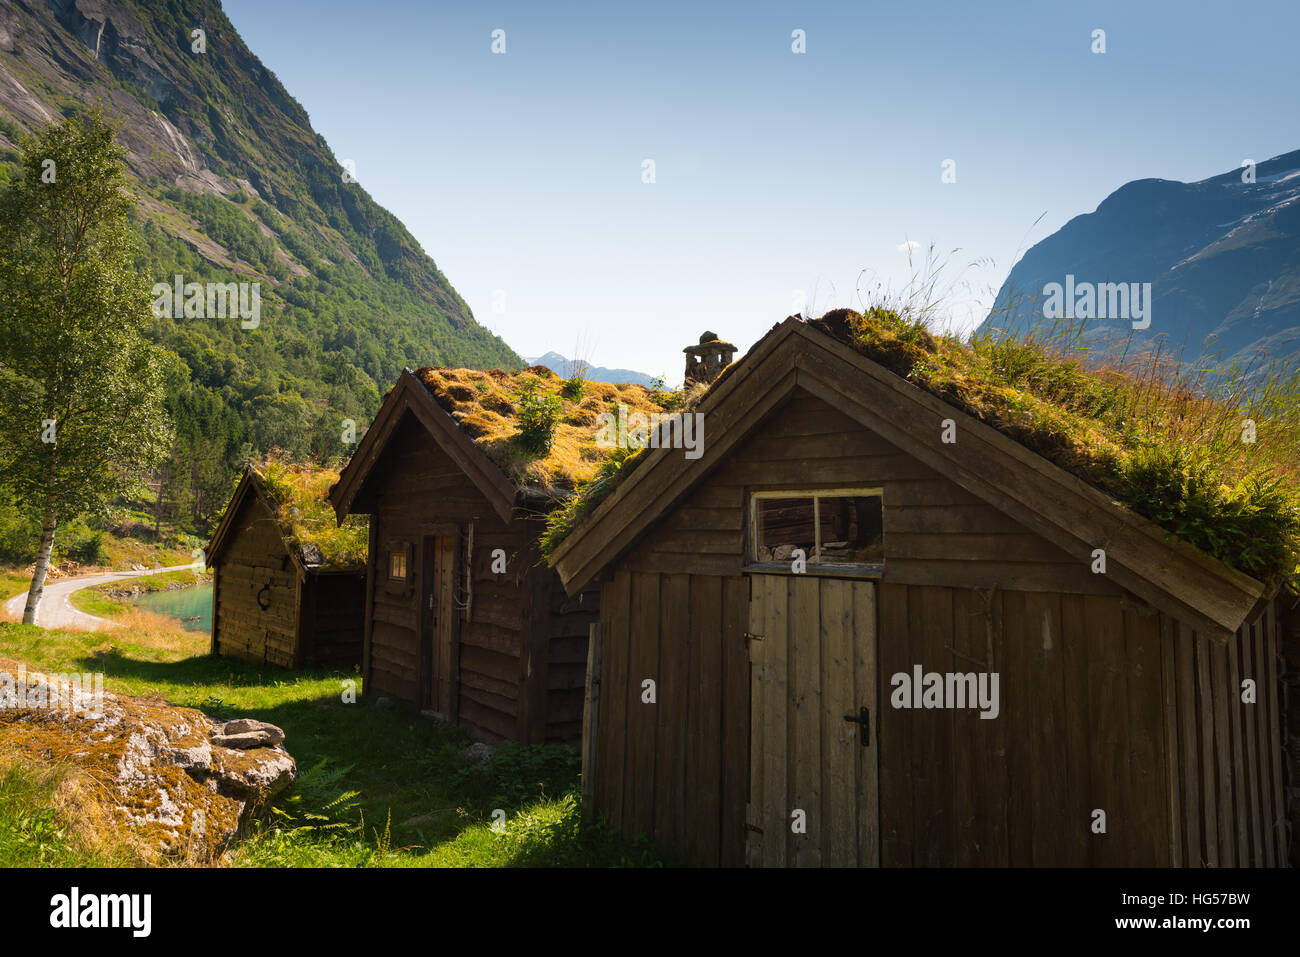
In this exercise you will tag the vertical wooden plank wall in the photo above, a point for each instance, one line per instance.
(675, 770)
(1104, 706)
(1227, 790)
(1080, 729)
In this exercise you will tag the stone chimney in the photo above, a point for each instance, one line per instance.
(710, 357)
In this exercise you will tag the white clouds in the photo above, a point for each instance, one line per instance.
(908, 246)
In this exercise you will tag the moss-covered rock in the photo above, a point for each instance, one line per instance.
(157, 773)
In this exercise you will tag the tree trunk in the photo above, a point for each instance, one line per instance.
(42, 567)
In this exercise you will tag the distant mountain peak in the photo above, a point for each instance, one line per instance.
(564, 367)
(1222, 256)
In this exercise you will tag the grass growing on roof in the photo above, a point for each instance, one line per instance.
(299, 497)
(1169, 442)
(487, 407)
(1212, 457)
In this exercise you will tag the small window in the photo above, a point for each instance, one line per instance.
(397, 564)
(832, 528)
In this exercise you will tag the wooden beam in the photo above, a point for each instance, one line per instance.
(591, 712)
(410, 395)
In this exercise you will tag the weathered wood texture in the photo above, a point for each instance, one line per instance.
(813, 796)
(1103, 705)
(1230, 754)
(675, 768)
(521, 646)
(255, 562)
(935, 532)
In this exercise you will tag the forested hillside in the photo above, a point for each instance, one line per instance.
(233, 185)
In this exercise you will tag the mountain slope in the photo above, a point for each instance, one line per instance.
(234, 185)
(564, 368)
(1223, 258)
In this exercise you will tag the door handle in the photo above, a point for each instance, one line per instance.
(862, 718)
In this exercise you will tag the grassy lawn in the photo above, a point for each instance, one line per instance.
(378, 787)
(13, 581)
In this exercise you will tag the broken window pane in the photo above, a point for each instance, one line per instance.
(785, 524)
(851, 530)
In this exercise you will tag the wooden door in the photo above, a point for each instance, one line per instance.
(439, 615)
(813, 790)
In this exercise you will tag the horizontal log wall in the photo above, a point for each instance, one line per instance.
(256, 558)
(416, 486)
(569, 622)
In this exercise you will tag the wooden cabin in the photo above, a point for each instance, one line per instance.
(462, 616)
(747, 710)
(276, 597)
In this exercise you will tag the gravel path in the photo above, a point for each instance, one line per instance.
(55, 609)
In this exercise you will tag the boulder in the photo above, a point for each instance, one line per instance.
(244, 733)
(162, 773)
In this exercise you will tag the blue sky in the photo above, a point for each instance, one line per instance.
(521, 173)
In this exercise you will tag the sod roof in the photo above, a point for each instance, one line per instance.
(1138, 432)
(297, 496)
(487, 406)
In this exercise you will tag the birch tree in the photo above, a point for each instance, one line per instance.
(82, 415)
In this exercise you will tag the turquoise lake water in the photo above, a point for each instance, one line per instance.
(184, 603)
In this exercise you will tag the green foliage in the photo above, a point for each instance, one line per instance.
(88, 550)
(318, 805)
(299, 496)
(573, 388)
(1252, 525)
(35, 830)
(519, 773)
(349, 298)
(422, 801)
(587, 496)
(74, 364)
(538, 414)
(20, 533)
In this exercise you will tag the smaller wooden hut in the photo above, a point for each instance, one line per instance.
(288, 587)
(462, 617)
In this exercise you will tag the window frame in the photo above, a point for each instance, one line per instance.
(404, 550)
(858, 570)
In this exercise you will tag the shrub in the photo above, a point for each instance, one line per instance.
(88, 550)
(539, 414)
(573, 388)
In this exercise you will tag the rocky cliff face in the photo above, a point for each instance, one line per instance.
(1222, 256)
(233, 185)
